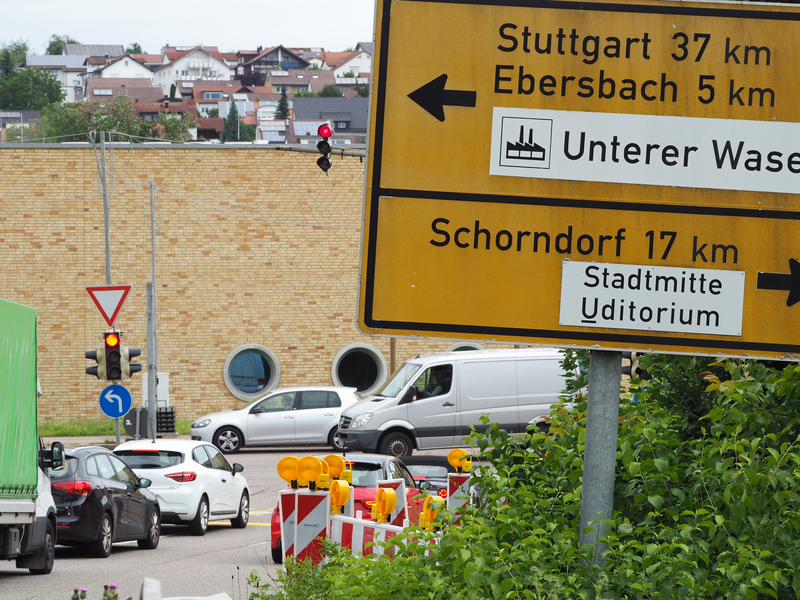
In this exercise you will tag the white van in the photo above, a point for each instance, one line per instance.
(431, 401)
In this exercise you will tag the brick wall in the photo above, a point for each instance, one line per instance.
(253, 246)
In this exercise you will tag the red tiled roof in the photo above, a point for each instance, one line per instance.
(334, 59)
(148, 58)
(217, 124)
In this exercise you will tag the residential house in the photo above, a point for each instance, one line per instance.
(150, 61)
(67, 69)
(196, 63)
(304, 131)
(208, 95)
(125, 66)
(270, 59)
(313, 55)
(348, 62)
(268, 105)
(349, 117)
(186, 89)
(290, 81)
(105, 89)
(351, 87)
(272, 131)
(98, 50)
(22, 120)
(366, 47)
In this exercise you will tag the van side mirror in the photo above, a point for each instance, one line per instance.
(409, 396)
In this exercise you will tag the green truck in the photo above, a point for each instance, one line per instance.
(27, 510)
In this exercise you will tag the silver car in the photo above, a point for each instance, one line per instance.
(302, 416)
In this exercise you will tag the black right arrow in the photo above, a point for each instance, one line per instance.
(433, 97)
(783, 281)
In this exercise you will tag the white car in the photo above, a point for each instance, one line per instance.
(193, 481)
(301, 416)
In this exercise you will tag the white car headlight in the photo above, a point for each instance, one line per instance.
(361, 420)
(201, 423)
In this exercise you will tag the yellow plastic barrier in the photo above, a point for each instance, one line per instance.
(460, 460)
(340, 494)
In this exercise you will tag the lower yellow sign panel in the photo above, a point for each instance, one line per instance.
(675, 281)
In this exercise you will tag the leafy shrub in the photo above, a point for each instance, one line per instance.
(711, 515)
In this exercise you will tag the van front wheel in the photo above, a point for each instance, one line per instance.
(396, 444)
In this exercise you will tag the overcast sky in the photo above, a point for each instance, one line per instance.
(334, 25)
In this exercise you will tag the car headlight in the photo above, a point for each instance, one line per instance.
(361, 420)
(201, 423)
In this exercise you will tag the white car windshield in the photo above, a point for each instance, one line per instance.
(395, 384)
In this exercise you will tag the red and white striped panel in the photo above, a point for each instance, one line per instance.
(458, 493)
(400, 512)
(287, 506)
(313, 517)
(356, 534)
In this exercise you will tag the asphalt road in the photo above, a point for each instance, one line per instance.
(185, 565)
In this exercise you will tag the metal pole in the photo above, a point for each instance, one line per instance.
(105, 215)
(152, 330)
(392, 354)
(600, 451)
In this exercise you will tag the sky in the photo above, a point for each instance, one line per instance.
(334, 25)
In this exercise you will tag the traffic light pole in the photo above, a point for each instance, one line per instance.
(104, 183)
(600, 449)
(152, 340)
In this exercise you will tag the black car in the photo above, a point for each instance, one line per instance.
(100, 501)
(430, 472)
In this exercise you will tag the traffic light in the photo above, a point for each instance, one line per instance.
(113, 357)
(634, 370)
(98, 370)
(323, 162)
(129, 368)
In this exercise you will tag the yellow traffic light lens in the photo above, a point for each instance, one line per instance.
(287, 468)
(460, 459)
(112, 340)
(335, 465)
(340, 492)
(386, 500)
(309, 468)
(431, 507)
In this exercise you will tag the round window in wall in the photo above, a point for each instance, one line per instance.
(465, 347)
(251, 371)
(361, 366)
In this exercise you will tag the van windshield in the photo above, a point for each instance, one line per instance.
(395, 384)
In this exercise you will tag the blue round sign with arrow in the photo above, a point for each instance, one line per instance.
(115, 401)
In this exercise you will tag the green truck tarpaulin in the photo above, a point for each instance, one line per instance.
(19, 439)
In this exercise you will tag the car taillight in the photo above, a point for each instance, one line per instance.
(183, 476)
(443, 493)
(369, 503)
(79, 488)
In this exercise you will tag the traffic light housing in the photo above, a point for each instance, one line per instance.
(129, 368)
(634, 370)
(113, 351)
(98, 370)
(325, 132)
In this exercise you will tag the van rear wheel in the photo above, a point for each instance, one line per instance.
(396, 444)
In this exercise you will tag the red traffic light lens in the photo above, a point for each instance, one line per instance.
(112, 340)
(325, 131)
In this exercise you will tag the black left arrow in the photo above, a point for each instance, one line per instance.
(433, 97)
(783, 281)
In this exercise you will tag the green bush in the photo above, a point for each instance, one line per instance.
(711, 515)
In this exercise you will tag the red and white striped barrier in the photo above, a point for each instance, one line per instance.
(458, 492)
(305, 517)
(357, 534)
(400, 513)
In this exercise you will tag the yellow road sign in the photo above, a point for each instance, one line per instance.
(600, 175)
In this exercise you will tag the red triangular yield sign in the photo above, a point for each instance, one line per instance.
(108, 299)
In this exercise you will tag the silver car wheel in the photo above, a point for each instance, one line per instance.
(228, 440)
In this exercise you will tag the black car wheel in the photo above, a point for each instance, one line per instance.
(153, 532)
(199, 524)
(229, 440)
(48, 550)
(240, 522)
(334, 441)
(277, 553)
(396, 444)
(101, 547)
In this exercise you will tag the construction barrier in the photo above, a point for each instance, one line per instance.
(400, 513)
(360, 534)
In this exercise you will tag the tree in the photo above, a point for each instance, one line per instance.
(6, 63)
(56, 43)
(134, 49)
(18, 50)
(313, 67)
(362, 90)
(29, 89)
(282, 112)
(330, 91)
(213, 113)
(349, 74)
(232, 129)
(172, 89)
